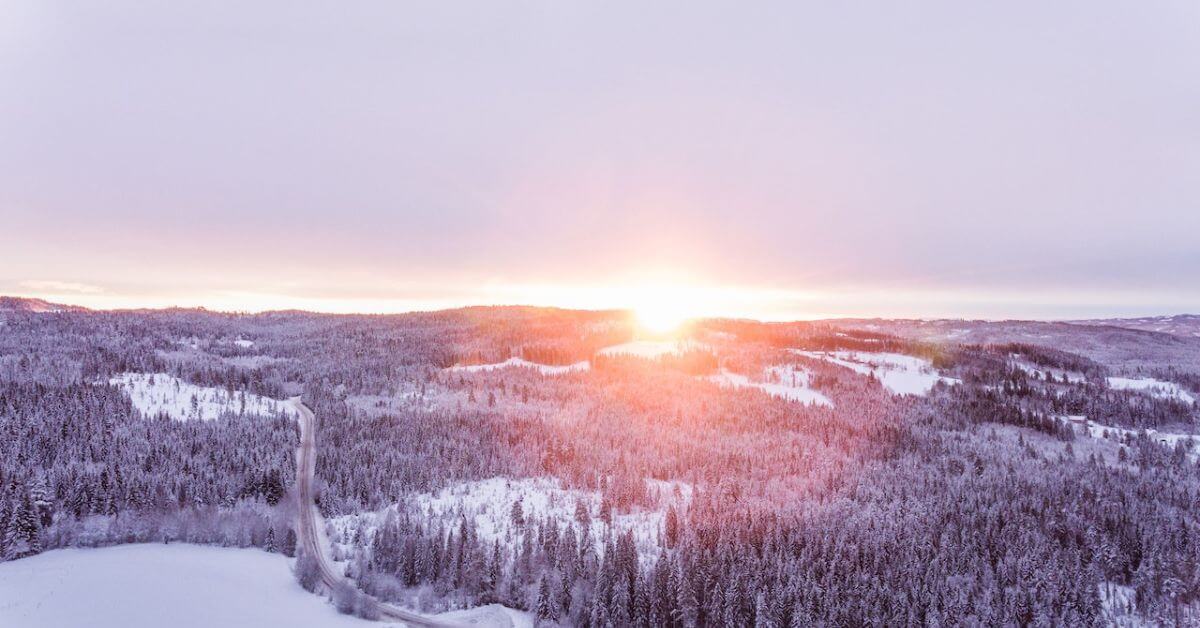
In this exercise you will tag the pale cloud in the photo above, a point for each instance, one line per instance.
(794, 160)
(60, 287)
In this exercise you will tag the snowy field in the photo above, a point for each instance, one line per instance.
(785, 381)
(652, 348)
(155, 393)
(901, 374)
(490, 616)
(544, 369)
(1041, 373)
(1170, 439)
(489, 502)
(155, 585)
(1118, 606)
(1154, 387)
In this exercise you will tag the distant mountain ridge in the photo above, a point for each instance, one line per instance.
(1187, 325)
(28, 304)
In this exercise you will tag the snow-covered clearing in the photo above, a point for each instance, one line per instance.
(785, 381)
(653, 348)
(1118, 606)
(1154, 387)
(901, 374)
(252, 362)
(490, 503)
(154, 585)
(544, 369)
(158, 393)
(1041, 372)
(490, 615)
(1170, 439)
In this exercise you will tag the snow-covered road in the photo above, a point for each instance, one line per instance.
(309, 524)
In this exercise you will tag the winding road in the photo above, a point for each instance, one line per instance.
(309, 524)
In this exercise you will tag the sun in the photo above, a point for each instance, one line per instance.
(661, 316)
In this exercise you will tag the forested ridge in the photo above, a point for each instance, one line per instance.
(980, 503)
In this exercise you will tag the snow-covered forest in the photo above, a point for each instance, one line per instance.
(798, 474)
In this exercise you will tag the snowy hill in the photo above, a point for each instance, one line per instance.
(1153, 387)
(1187, 325)
(24, 304)
(901, 374)
(544, 369)
(783, 381)
(651, 349)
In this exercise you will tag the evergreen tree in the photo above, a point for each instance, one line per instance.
(671, 527)
(23, 537)
(5, 516)
(518, 514)
(606, 510)
(289, 543)
(491, 581)
(564, 596)
(43, 502)
(545, 606)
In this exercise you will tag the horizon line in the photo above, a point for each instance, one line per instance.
(625, 310)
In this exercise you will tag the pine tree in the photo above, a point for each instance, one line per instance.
(545, 607)
(763, 617)
(5, 516)
(606, 510)
(518, 514)
(269, 544)
(582, 515)
(80, 500)
(689, 604)
(491, 580)
(671, 527)
(23, 537)
(564, 595)
(599, 612)
(43, 503)
(272, 488)
(289, 543)
(619, 610)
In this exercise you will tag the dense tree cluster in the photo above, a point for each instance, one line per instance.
(78, 465)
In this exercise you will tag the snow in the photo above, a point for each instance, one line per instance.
(154, 585)
(1072, 377)
(490, 615)
(489, 504)
(1154, 387)
(901, 374)
(652, 348)
(544, 369)
(156, 393)
(245, 344)
(1118, 606)
(1169, 439)
(786, 381)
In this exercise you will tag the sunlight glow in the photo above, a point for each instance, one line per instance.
(659, 302)
(661, 317)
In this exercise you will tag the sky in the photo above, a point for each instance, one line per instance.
(774, 160)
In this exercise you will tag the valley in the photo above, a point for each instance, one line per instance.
(501, 466)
